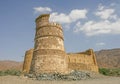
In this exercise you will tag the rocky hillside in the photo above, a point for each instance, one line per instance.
(7, 64)
(108, 58)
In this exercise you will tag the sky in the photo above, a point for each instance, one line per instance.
(86, 24)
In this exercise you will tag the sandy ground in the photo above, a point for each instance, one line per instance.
(21, 80)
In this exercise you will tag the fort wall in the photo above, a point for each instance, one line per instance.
(83, 61)
(27, 61)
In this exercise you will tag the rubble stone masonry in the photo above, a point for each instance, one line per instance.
(48, 55)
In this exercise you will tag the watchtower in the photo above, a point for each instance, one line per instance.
(48, 55)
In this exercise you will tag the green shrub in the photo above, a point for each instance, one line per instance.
(10, 72)
(2, 73)
(110, 72)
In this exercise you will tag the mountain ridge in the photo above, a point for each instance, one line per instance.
(10, 64)
(108, 58)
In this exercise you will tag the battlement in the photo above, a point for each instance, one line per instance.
(50, 29)
(88, 52)
(51, 24)
(55, 24)
(43, 17)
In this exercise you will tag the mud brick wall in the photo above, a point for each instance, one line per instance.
(83, 61)
(27, 61)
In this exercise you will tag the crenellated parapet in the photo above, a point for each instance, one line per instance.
(51, 24)
(43, 18)
(50, 29)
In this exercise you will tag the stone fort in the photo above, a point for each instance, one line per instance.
(48, 54)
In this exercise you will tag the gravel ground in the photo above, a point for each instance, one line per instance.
(74, 75)
(23, 80)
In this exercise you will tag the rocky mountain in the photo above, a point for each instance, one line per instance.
(108, 58)
(7, 64)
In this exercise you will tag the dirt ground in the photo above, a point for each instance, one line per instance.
(23, 80)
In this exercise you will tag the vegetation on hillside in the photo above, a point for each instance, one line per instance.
(10, 72)
(110, 72)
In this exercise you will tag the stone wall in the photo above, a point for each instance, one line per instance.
(83, 61)
(27, 61)
(50, 58)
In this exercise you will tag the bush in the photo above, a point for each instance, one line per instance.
(110, 72)
(10, 72)
(2, 73)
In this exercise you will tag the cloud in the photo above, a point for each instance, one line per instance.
(63, 18)
(74, 15)
(100, 7)
(105, 13)
(107, 20)
(100, 44)
(42, 9)
(104, 25)
(92, 28)
(60, 18)
(77, 14)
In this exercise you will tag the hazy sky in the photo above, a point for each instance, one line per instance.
(86, 24)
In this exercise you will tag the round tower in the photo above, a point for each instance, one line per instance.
(49, 55)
